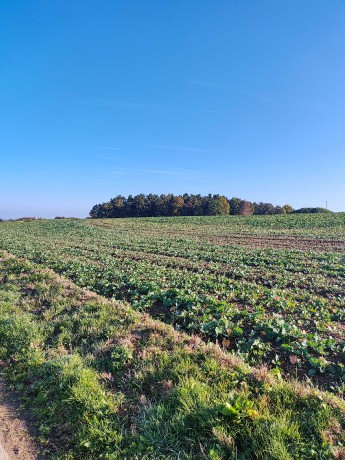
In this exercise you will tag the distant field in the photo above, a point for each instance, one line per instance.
(271, 288)
(324, 232)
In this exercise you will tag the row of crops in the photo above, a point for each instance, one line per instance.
(283, 308)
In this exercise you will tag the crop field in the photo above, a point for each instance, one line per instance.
(265, 291)
(268, 304)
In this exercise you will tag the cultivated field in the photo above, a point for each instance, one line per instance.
(266, 293)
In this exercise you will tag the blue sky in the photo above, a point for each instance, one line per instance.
(243, 98)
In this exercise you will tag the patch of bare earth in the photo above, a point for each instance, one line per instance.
(264, 242)
(16, 441)
(277, 242)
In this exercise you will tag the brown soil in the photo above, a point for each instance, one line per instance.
(16, 441)
(276, 242)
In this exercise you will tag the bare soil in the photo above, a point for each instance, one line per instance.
(16, 442)
(276, 242)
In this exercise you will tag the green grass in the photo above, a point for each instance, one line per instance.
(311, 211)
(105, 381)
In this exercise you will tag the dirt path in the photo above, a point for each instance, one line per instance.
(15, 439)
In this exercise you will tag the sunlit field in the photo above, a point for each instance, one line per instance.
(210, 332)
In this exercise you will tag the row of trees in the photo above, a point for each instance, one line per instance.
(181, 205)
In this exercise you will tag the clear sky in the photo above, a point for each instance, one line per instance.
(239, 97)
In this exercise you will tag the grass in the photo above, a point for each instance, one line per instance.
(107, 382)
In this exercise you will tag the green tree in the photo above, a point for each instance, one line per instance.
(235, 205)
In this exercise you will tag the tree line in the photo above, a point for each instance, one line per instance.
(181, 205)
